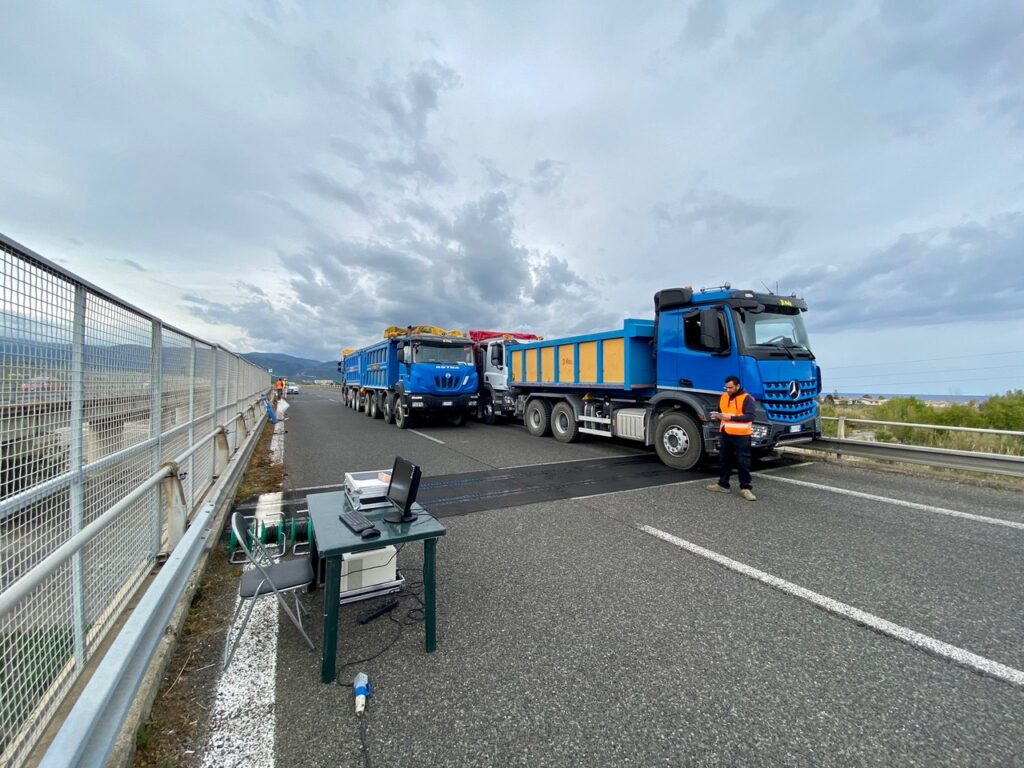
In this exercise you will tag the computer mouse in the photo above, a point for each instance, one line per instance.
(370, 533)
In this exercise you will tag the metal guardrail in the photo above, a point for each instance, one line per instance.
(113, 428)
(947, 458)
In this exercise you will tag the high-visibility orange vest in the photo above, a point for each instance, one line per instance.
(734, 407)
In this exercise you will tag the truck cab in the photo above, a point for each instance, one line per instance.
(490, 354)
(702, 337)
(436, 374)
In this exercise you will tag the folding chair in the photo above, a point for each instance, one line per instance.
(265, 578)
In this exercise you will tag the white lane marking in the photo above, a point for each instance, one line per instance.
(779, 469)
(277, 443)
(901, 503)
(439, 442)
(909, 636)
(243, 720)
(644, 488)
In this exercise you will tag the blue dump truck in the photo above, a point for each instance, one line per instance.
(658, 381)
(418, 371)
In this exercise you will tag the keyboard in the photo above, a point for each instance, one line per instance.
(356, 521)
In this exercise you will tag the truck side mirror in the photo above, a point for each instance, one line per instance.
(710, 333)
(341, 366)
(406, 353)
(496, 356)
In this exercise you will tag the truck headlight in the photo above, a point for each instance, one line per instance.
(417, 404)
(759, 431)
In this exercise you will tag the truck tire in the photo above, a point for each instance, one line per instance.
(457, 419)
(485, 408)
(678, 441)
(370, 404)
(389, 409)
(564, 427)
(378, 405)
(401, 419)
(538, 417)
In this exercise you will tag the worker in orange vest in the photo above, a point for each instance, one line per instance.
(280, 388)
(736, 416)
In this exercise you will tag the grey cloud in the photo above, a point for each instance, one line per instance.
(715, 211)
(788, 23)
(325, 186)
(705, 23)
(969, 43)
(553, 279)
(420, 164)
(966, 272)
(129, 263)
(547, 175)
(494, 263)
(497, 178)
(410, 101)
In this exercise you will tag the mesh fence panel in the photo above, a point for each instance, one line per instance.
(94, 397)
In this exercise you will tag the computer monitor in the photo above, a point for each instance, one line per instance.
(405, 481)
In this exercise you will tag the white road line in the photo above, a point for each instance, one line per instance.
(277, 443)
(779, 469)
(242, 720)
(644, 488)
(901, 503)
(904, 635)
(439, 442)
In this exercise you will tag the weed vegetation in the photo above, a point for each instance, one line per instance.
(1004, 412)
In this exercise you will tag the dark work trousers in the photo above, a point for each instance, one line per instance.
(734, 453)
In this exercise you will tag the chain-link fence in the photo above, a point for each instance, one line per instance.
(95, 396)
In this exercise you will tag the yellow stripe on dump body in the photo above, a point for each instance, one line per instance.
(614, 367)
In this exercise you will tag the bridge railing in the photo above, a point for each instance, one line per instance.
(113, 427)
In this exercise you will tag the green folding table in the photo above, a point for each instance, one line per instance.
(332, 539)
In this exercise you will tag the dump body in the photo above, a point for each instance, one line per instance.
(609, 362)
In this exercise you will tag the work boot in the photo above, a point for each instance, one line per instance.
(748, 494)
(717, 488)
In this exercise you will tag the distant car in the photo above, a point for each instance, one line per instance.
(40, 384)
(293, 389)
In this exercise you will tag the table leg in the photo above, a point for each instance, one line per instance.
(430, 592)
(332, 589)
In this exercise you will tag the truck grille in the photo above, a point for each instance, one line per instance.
(447, 383)
(779, 403)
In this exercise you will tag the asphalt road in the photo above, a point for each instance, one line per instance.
(568, 635)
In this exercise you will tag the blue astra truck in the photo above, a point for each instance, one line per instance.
(414, 372)
(658, 381)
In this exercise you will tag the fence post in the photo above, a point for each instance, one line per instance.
(76, 460)
(156, 388)
(841, 429)
(174, 509)
(221, 453)
(191, 417)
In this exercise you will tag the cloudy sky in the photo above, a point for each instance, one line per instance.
(293, 177)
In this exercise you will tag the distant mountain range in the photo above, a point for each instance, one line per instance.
(294, 368)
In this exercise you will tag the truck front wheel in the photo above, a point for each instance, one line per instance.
(678, 441)
(485, 408)
(401, 418)
(538, 417)
(564, 426)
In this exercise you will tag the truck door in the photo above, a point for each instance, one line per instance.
(494, 366)
(700, 349)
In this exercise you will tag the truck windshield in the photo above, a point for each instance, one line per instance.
(447, 353)
(773, 333)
